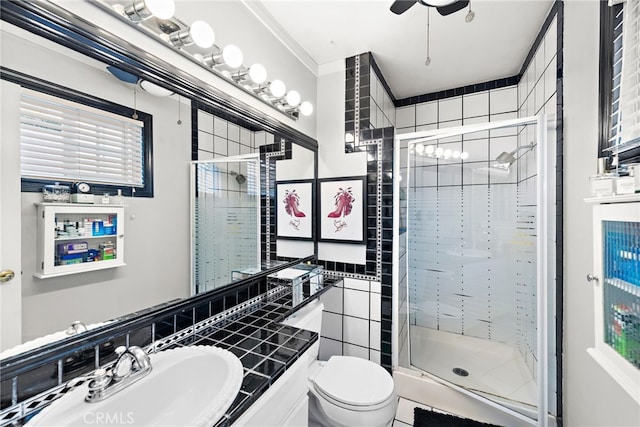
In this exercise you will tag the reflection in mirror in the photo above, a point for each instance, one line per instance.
(225, 210)
(158, 266)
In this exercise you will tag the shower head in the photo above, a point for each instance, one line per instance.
(505, 160)
(240, 179)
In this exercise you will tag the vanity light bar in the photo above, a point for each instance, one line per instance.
(194, 40)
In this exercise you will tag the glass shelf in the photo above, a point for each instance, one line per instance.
(60, 239)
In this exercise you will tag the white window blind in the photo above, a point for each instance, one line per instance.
(64, 140)
(630, 81)
(614, 134)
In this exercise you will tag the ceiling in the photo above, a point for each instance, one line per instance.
(494, 45)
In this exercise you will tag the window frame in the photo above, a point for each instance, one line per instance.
(33, 185)
(607, 20)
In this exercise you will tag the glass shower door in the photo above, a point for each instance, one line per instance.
(474, 265)
(225, 220)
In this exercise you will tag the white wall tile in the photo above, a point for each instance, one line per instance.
(328, 348)
(356, 303)
(376, 287)
(220, 127)
(400, 131)
(539, 96)
(269, 138)
(406, 116)
(478, 149)
(332, 300)
(540, 62)
(474, 121)
(426, 127)
(503, 100)
(245, 136)
(500, 144)
(522, 92)
(356, 351)
(392, 118)
(220, 145)
(475, 105)
(245, 149)
(356, 331)
(550, 80)
(233, 148)
(374, 335)
(331, 325)
(374, 313)
(551, 41)
(427, 113)
(450, 109)
(233, 132)
(362, 285)
(449, 124)
(205, 141)
(373, 80)
(506, 131)
(374, 356)
(204, 155)
(260, 138)
(205, 121)
(528, 76)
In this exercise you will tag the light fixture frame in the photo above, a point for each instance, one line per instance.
(150, 27)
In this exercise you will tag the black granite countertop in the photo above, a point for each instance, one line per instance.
(266, 348)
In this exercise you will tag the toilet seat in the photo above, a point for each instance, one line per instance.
(355, 384)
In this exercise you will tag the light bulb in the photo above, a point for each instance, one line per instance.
(293, 98)
(348, 137)
(439, 151)
(464, 155)
(232, 56)
(257, 73)
(161, 9)
(202, 34)
(306, 108)
(429, 150)
(277, 88)
(447, 153)
(419, 148)
(456, 154)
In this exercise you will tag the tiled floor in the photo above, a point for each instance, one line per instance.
(494, 368)
(404, 414)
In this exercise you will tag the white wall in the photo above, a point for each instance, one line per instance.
(591, 396)
(157, 228)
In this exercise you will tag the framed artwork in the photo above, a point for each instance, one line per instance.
(294, 209)
(342, 210)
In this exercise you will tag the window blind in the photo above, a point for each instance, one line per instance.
(630, 79)
(68, 141)
(614, 131)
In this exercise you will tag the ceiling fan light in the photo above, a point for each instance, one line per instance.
(437, 3)
(154, 89)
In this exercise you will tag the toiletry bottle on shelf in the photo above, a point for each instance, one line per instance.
(603, 182)
(118, 199)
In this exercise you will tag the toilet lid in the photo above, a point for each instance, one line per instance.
(354, 381)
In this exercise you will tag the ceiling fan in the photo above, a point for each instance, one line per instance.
(444, 7)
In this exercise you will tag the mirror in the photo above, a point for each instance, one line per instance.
(157, 243)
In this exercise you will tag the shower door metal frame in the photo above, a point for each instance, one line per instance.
(542, 215)
(192, 203)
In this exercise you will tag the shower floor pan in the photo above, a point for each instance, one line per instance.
(494, 369)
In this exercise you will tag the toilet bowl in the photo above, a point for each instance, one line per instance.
(345, 391)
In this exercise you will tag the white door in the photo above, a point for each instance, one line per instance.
(10, 224)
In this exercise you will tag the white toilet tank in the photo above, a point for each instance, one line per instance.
(308, 317)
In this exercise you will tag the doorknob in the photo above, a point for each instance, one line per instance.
(6, 275)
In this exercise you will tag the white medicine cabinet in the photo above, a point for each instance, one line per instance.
(77, 238)
(616, 281)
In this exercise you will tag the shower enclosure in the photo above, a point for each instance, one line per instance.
(476, 234)
(225, 220)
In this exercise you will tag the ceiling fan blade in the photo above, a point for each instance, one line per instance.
(401, 6)
(452, 8)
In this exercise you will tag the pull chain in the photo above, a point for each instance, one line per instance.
(428, 60)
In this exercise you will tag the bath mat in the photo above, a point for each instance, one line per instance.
(425, 418)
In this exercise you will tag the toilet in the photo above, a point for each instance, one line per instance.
(344, 391)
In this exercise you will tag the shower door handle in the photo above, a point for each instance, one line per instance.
(591, 278)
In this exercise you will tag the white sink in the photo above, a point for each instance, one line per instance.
(188, 386)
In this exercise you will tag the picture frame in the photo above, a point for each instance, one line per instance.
(295, 204)
(342, 210)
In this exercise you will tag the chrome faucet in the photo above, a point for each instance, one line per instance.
(132, 365)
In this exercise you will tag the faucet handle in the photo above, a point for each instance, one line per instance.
(120, 350)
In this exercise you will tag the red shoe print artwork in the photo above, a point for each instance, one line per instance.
(292, 203)
(344, 205)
